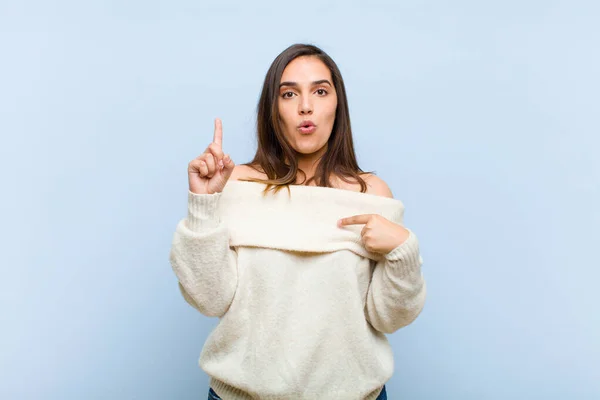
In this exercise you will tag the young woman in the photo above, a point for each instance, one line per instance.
(306, 281)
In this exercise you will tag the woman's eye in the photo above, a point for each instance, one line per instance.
(285, 95)
(321, 91)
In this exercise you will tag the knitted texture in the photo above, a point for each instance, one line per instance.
(303, 306)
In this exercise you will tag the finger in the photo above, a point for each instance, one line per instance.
(218, 137)
(211, 164)
(198, 166)
(228, 166)
(354, 220)
(209, 158)
(203, 168)
(363, 231)
(216, 151)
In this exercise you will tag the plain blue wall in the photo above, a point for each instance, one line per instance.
(483, 117)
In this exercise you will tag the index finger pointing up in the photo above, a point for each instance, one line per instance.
(218, 138)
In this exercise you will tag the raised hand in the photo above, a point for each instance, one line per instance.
(209, 172)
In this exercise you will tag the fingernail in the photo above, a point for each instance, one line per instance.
(221, 164)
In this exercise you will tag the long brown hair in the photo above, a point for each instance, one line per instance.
(273, 148)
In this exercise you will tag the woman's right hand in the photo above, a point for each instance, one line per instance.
(209, 172)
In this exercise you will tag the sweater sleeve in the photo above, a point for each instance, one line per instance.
(205, 265)
(397, 291)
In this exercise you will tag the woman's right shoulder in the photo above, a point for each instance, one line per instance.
(246, 172)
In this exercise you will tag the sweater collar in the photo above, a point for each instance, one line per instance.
(303, 220)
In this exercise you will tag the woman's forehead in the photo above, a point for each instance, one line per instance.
(305, 70)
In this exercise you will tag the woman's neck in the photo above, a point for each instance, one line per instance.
(308, 163)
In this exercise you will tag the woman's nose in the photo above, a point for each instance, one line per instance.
(305, 107)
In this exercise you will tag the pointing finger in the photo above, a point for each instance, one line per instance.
(354, 220)
(218, 138)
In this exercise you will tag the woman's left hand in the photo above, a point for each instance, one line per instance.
(379, 234)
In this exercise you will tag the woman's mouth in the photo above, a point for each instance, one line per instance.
(307, 127)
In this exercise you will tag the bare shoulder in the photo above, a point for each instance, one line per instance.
(245, 172)
(377, 186)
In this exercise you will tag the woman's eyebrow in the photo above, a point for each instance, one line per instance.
(319, 82)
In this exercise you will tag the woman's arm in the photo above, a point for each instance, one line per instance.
(205, 265)
(397, 291)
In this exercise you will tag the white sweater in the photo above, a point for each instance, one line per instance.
(303, 306)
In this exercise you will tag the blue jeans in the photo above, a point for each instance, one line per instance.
(213, 396)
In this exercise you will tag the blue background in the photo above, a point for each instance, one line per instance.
(483, 117)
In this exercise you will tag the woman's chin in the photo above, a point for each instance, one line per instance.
(307, 148)
(306, 151)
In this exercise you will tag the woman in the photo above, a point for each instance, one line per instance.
(306, 281)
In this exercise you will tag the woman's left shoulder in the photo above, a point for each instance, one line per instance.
(376, 185)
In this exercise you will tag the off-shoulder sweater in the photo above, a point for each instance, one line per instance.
(303, 307)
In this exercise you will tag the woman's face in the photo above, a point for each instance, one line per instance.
(307, 96)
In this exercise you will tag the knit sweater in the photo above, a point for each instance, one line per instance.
(303, 307)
